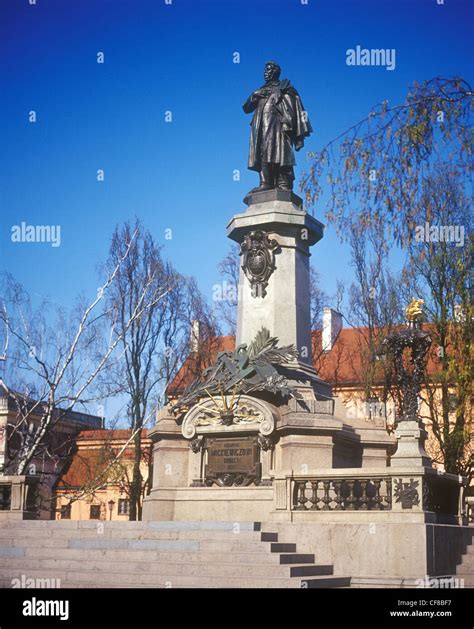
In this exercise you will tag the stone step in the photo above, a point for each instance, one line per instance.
(269, 537)
(66, 534)
(7, 584)
(41, 533)
(465, 568)
(138, 580)
(468, 560)
(326, 582)
(28, 542)
(186, 586)
(12, 551)
(310, 570)
(230, 545)
(255, 536)
(192, 583)
(26, 565)
(157, 554)
(165, 525)
(62, 559)
(147, 555)
(225, 545)
(296, 558)
(222, 582)
(282, 547)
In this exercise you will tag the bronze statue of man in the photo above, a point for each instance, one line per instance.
(279, 123)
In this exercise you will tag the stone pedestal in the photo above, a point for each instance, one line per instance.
(170, 453)
(302, 452)
(284, 309)
(411, 437)
(293, 438)
(293, 433)
(297, 463)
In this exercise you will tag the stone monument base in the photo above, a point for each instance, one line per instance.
(259, 436)
(396, 549)
(210, 503)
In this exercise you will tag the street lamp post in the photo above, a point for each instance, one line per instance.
(111, 508)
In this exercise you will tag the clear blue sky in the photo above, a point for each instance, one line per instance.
(178, 57)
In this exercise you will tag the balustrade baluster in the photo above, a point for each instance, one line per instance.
(337, 490)
(377, 497)
(350, 500)
(388, 498)
(363, 501)
(300, 492)
(326, 499)
(314, 496)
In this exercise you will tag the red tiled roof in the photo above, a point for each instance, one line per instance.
(342, 365)
(108, 435)
(86, 465)
(89, 461)
(346, 363)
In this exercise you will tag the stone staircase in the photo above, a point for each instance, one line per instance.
(465, 570)
(83, 554)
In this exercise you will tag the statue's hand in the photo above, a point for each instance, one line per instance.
(299, 145)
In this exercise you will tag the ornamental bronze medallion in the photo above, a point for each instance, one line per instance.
(258, 251)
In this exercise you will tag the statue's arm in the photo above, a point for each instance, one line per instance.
(301, 125)
(251, 103)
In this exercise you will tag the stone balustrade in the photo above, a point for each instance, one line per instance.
(341, 494)
(418, 491)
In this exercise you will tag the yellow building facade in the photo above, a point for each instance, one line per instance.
(96, 483)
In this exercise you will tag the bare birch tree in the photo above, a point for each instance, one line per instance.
(55, 358)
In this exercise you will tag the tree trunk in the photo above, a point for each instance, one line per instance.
(137, 480)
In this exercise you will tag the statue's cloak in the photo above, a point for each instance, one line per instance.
(279, 123)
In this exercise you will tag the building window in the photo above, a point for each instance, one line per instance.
(123, 506)
(66, 512)
(95, 512)
(452, 402)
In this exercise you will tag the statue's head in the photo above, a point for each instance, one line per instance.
(272, 71)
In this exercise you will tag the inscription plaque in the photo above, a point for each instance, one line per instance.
(232, 461)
